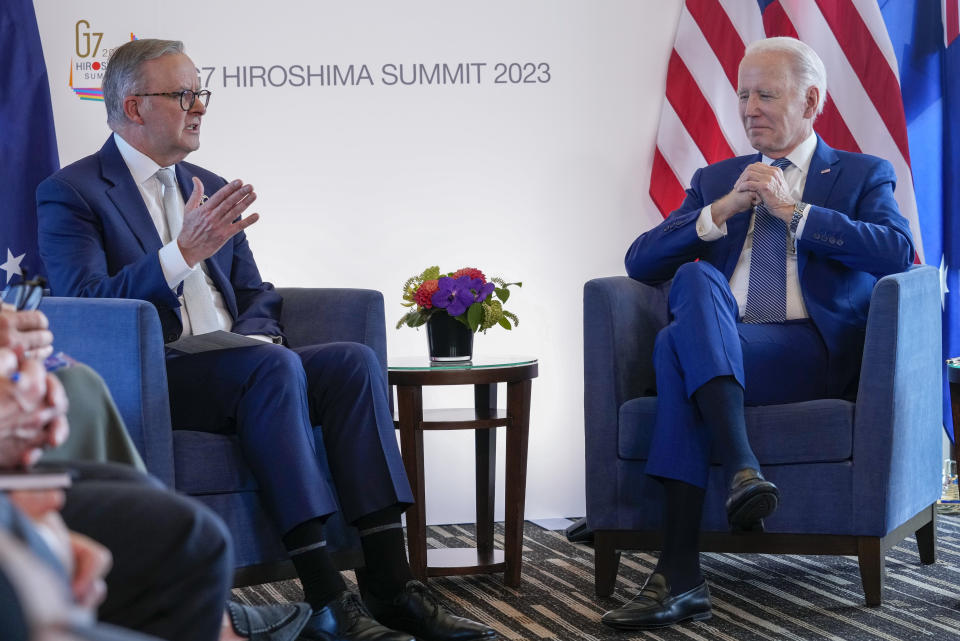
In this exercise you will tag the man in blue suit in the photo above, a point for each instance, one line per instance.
(773, 258)
(115, 224)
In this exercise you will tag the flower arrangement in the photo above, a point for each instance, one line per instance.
(465, 294)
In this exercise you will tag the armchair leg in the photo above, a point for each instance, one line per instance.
(927, 539)
(606, 561)
(872, 572)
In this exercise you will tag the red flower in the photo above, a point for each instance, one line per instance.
(472, 272)
(424, 293)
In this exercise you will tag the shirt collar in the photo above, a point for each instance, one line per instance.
(801, 155)
(142, 167)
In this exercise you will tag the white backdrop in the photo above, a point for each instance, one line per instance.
(367, 183)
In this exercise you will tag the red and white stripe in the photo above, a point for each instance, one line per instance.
(951, 20)
(699, 123)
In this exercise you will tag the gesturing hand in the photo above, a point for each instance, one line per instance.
(758, 183)
(208, 225)
(769, 186)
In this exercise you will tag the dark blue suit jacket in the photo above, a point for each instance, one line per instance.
(853, 235)
(97, 240)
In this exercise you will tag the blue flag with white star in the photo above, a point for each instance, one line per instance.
(28, 143)
(925, 40)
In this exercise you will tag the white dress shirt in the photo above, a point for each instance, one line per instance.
(796, 178)
(175, 268)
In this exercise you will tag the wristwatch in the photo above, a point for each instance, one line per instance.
(797, 216)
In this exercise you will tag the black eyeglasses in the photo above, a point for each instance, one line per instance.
(27, 294)
(187, 97)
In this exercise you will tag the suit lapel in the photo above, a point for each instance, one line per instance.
(126, 197)
(821, 175)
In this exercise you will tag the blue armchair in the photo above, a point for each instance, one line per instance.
(122, 340)
(854, 477)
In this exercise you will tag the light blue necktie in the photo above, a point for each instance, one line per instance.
(767, 287)
(197, 296)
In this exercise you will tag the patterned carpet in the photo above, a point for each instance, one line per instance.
(754, 596)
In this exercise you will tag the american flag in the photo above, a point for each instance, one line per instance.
(699, 123)
(871, 49)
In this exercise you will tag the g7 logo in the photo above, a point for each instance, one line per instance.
(85, 35)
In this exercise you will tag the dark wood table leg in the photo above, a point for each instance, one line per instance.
(409, 418)
(955, 407)
(518, 409)
(485, 404)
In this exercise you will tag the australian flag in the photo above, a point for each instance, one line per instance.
(28, 143)
(926, 38)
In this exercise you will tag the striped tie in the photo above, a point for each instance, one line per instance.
(767, 287)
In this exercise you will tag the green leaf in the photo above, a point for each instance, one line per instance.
(502, 293)
(504, 323)
(474, 316)
(417, 318)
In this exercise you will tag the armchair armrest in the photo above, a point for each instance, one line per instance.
(122, 340)
(325, 315)
(621, 318)
(897, 441)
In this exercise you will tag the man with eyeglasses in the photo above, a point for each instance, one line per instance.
(115, 224)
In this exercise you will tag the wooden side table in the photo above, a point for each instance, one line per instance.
(953, 376)
(409, 376)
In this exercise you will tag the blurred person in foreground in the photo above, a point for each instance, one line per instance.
(168, 557)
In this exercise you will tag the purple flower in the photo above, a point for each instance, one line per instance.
(484, 291)
(456, 295)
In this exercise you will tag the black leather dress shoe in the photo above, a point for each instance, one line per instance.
(347, 619)
(416, 610)
(655, 607)
(751, 499)
(279, 622)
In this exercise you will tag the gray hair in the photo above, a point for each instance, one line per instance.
(122, 76)
(807, 67)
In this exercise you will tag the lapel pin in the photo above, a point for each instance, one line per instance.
(825, 171)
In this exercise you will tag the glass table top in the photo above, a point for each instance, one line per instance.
(423, 363)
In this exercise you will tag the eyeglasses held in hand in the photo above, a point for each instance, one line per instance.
(26, 295)
(187, 97)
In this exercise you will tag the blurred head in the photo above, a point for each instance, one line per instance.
(156, 125)
(782, 88)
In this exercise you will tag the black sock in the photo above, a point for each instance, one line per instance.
(720, 401)
(680, 559)
(308, 551)
(386, 569)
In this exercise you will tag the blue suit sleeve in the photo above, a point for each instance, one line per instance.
(258, 304)
(655, 256)
(71, 239)
(872, 236)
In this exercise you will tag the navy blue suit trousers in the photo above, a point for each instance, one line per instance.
(773, 362)
(271, 397)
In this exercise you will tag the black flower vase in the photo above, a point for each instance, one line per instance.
(448, 338)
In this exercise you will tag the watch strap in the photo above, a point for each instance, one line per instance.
(797, 216)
